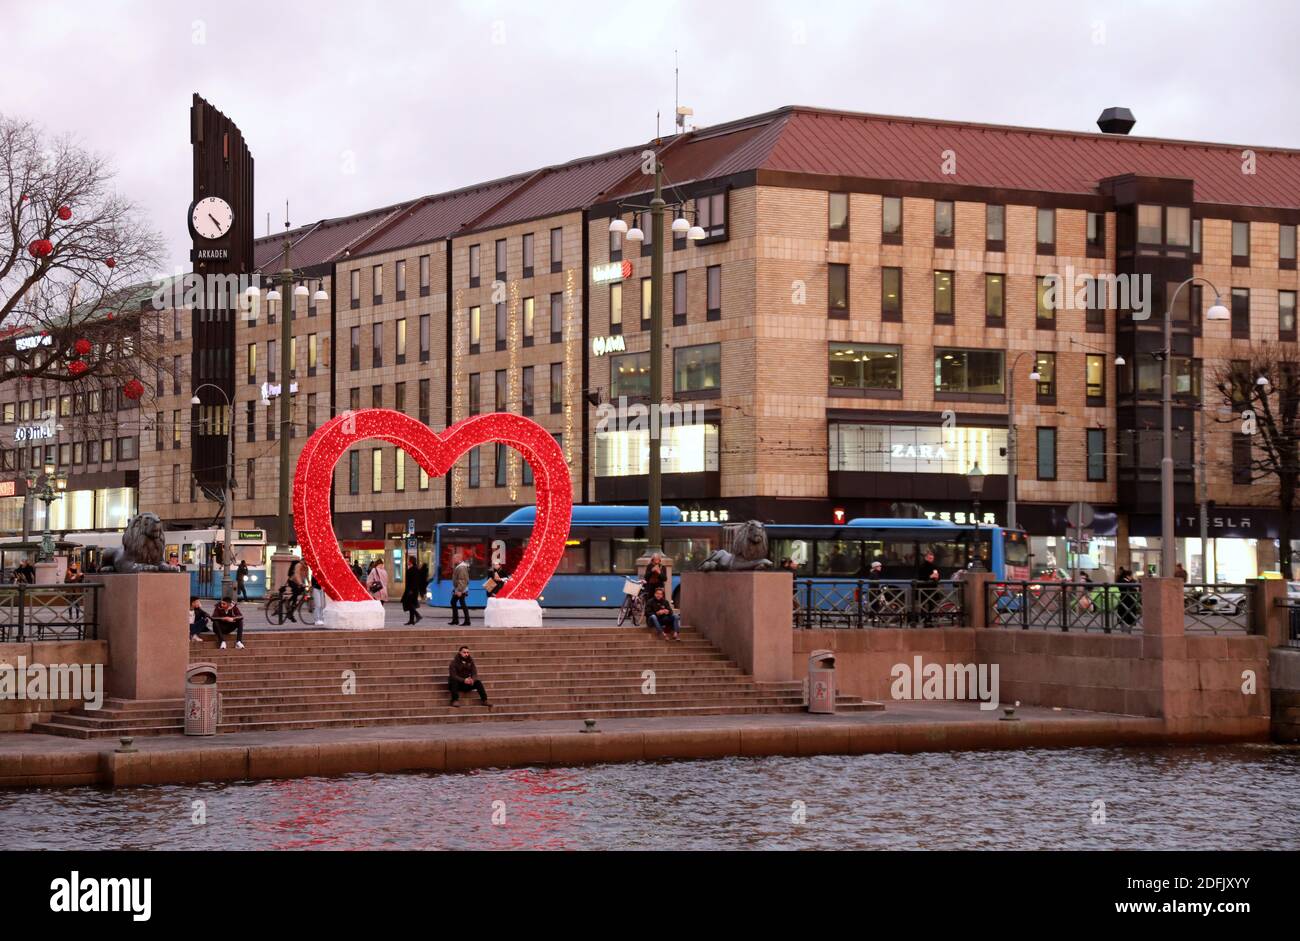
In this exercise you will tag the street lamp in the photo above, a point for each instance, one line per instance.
(1012, 436)
(47, 488)
(1216, 312)
(693, 233)
(227, 491)
(975, 480)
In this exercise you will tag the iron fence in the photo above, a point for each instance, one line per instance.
(866, 603)
(49, 612)
(1218, 608)
(1292, 606)
(1108, 607)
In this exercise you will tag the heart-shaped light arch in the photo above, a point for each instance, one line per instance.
(436, 453)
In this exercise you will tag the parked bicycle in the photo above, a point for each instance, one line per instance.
(633, 602)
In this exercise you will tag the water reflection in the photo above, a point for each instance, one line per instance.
(1177, 798)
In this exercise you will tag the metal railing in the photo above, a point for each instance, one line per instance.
(1292, 608)
(867, 603)
(49, 612)
(1108, 607)
(1217, 608)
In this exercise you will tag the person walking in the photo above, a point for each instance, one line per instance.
(318, 599)
(378, 581)
(241, 577)
(412, 592)
(74, 577)
(462, 676)
(460, 592)
(1180, 572)
(1129, 599)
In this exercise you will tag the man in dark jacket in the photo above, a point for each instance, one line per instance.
(462, 675)
(412, 592)
(661, 616)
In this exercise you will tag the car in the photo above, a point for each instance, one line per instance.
(1227, 603)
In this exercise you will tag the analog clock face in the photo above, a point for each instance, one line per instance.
(212, 217)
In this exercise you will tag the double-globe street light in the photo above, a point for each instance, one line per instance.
(680, 226)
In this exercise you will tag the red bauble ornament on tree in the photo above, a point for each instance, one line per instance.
(41, 248)
(110, 261)
(133, 390)
(65, 213)
(82, 346)
(76, 368)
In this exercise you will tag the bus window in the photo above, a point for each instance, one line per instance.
(626, 552)
(949, 556)
(687, 554)
(598, 560)
(900, 558)
(800, 550)
(1015, 548)
(574, 560)
(838, 557)
(476, 553)
(873, 550)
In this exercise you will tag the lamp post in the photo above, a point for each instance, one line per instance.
(47, 488)
(227, 490)
(975, 480)
(1216, 312)
(693, 233)
(1013, 439)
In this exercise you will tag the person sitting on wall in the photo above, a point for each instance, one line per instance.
(200, 622)
(495, 581)
(660, 614)
(227, 617)
(462, 676)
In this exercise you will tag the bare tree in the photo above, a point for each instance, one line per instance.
(1268, 415)
(76, 261)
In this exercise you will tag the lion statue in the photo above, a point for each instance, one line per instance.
(142, 549)
(748, 551)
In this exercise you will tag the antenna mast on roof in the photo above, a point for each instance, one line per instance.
(286, 215)
(681, 113)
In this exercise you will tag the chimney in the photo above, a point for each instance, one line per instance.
(1116, 121)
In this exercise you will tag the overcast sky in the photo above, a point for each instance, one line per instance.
(351, 106)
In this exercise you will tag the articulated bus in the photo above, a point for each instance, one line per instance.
(605, 542)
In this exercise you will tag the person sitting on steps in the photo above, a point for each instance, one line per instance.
(462, 675)
(227, 617)
(199, 620)
(659, 612)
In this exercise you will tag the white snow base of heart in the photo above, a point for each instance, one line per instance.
(354, 615)
(512, 612)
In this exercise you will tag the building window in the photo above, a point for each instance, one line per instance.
(502, 325)
(354, 472)
(891, 294)
(474, 259)
(424, 401)
(499, 465)
(250, 422)
(528, 254)
(1046, 302)
(1178, 226)
(400, 279)
(943, 303)
(838, 291)
(176, 378)
(1046, 228)
(311, 412)
(354, 399)
(527, 390)
(1046, 453)
(354, 287)
(424, 275)
(629, 376)
(176, 483)
(1286, 315)
(689, 449)
(697, 368)
(399, 470)
(837, 221)
(176, 429)
(293, 357)
(713, 305)
(401, 341)
(474, 467)
(557, 317)
(1095, 315)
(1095, 379)
(1095, 235)
(500, 391)
(891, 220)
(995, 228)
(313, 354)
(1097, 454)
(1241, 459)
(1045, 366)
(557, 250)
(424, 479)
(501, 259)
(645, 222)
(711, 215)
(1196, 239)
(995, 300)
(377, 283)
(557, 388)
(1286, 246)
(424, 338)
(865, 366)
(354, 350)
(475, 393)
(943, 223)
(616, 308)
(272, 361)
(965, 372)
(399, 397)
(1149, 225)
(376, 345)
(1241, 244)
(530, 311)
(1241, 313)
(679, 298)
(615, 244)
(475, 328)
(252, 364)
(646, 301)
(376, 470)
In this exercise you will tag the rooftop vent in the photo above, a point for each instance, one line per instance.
(1116, 121)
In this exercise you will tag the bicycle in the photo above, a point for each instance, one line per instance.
(633, 602)
(282, 605)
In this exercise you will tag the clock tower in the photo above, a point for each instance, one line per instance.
(220, 220)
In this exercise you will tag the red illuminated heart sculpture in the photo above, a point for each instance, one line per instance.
(436, 453)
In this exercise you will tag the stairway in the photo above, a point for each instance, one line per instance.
(294, 680)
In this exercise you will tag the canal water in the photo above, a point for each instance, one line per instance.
(1241, 797)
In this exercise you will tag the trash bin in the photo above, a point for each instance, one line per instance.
(821, 681)
(202, 702)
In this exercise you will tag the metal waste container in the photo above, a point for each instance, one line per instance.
(202, 701)
(821, 681)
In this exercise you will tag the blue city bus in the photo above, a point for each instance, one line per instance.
(605, 542)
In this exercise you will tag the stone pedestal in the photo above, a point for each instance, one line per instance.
(143, 618)
(354, 615)
(512, 612)
(748, 615)
(52, 573)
